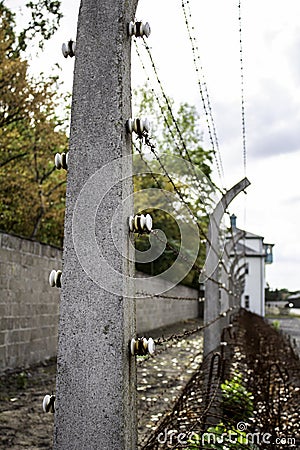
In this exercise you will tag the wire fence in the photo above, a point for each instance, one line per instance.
(245, 394)
(241, 390)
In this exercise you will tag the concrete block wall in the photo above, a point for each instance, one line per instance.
(29, 307)
(177, 304)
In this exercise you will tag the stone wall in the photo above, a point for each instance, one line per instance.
(29, 307)
(177, 304)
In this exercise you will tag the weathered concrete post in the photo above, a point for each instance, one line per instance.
(227, 295)
(238, 278)
(212, 301)
(96, 380)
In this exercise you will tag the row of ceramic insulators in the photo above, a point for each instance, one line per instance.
(61, 161)
(139, 126)
(137, 224)
(137, 29)
(140, 223)
(140, 347)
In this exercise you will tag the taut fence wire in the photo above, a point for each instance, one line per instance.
(266, 366)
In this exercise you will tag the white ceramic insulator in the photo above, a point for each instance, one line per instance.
(132, 346)
(65, 50)
(148, 344)
(64, 164)
(151, 346)
(69, 48)
(57, 161)
(55, 278)
(46, 402)
(58, 278)
(61, 161)
(129, 125)
(131, 28)
(52, 277)
(140, 223)
(131, 223)
(139, 126)
(136, 224)
(73, 45)
(148, 223)
(145, 344)
(145, 125)
(144, 29)
(135, 126)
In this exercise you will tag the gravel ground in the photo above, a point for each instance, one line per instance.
(160, 380)
(23, 424)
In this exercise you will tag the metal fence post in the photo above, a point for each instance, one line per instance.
(96, 379)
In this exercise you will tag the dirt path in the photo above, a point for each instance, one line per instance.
(23, 425)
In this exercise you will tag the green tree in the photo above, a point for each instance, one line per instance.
(44, 21)
(174, 131)
(32, 191)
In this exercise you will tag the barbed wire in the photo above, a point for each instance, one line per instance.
(147, 295)
(188, 333)
(195, 265)
(181, 256)
(175, 338)
(203, 85)
(162, 111)
(167, 123)
(152, 148)
(203, 90)
(243, 120)
(180, 405)
(166, 99)
(169, 108)
(221, 285)
(242, 88)
(183, 369)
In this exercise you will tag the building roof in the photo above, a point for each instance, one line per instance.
(241, 246)
(253, 236)
(244, 249)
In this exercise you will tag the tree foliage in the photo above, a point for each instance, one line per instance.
(188, 147)
(44, 21)
(32, 191)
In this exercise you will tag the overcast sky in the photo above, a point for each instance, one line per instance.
(271, 53)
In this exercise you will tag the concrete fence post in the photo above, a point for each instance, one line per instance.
(212, 304)
(226, 275)
(96, 379)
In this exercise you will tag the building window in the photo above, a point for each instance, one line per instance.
(247, 301)
(268, 253)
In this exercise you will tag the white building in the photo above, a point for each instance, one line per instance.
(255, 254)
